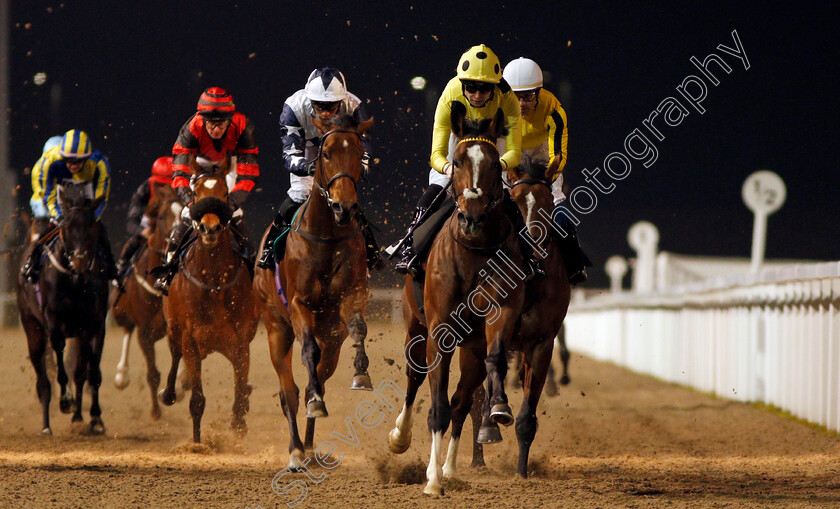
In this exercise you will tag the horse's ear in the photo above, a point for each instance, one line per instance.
(322, 126)
(458, 117)
(497, 126)
(194, 166)
(364, 126)
(225, 166)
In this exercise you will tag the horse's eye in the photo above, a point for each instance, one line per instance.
(326, 155)
(456, 164)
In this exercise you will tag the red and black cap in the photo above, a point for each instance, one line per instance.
(216, 104)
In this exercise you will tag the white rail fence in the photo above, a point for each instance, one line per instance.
(771, 337)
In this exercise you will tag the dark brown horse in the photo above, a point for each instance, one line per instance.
(468, 300)
(70, 299)
(320, 291)
(140, 307)
(211, 306)
(546, 302)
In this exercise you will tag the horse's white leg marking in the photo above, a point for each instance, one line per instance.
(434, 471)
(449, 469)
(121, 379)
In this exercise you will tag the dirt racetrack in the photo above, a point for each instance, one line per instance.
(610, 439)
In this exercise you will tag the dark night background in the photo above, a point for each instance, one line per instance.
(131, 74)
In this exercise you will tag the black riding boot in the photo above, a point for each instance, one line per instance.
(374, 260)
(164, 273)
(278, 226)
(109, 267)
(533, 265)
(32, 268)
(131, 247)
(574, 259)
(409, 261)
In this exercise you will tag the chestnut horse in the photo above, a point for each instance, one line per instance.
(70, 299)
(141, 305)
(210, 306)
(320, 291)
(543, 312)
(465, 304)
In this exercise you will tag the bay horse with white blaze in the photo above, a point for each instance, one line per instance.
(70, 299)
(544, 309)
(140, 306)
(211, 306)
(465, 305)
(318, 291)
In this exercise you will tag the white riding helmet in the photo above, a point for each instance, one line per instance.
(326, 85)
(523, 74)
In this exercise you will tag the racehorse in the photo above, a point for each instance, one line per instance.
(210, 306)
(141, 306)
(70, 299)
(318, 291)
(543, 312)
(465, 304)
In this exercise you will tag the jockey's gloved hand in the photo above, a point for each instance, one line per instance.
(184, 194)
(55, 220)
(448, 168)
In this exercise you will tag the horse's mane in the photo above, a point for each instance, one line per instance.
(534, 169)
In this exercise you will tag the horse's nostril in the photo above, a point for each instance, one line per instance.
(336, 208)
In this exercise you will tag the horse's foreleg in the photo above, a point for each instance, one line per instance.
(476, 417)
(82, 359)
(399, 439)
(358, 331)
(472, 373)
(242, 391)
(536, 364)
(280, 342)
(440, 414)
(197, 400)
(310, 353)
(564, 356)
(121, 379)
(147, 346)
(97, 427)
(37, 344)
(167, 395)
(66, 403)
(496, 365)
(489, 432)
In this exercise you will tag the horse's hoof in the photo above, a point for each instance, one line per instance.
(501, 414)
(47, 432)
(564, 380)
(396, 445)
(550, 389)
(179, 394)
(295, 459)
(156, 413)
(316, 408)
(478, 463)
(166, 397)
(121, 380)
(361, 383)
(239, 427)
(67, 405)
(488, 435)
(436, 490)
(97, 427)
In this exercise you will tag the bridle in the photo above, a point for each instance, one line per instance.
(325, 190)
(65, 253)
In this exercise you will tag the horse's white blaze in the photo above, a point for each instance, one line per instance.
(210, 184)
(530, 201)
(476, 156)
(434, 472)
(449, 468)
(345, 144)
